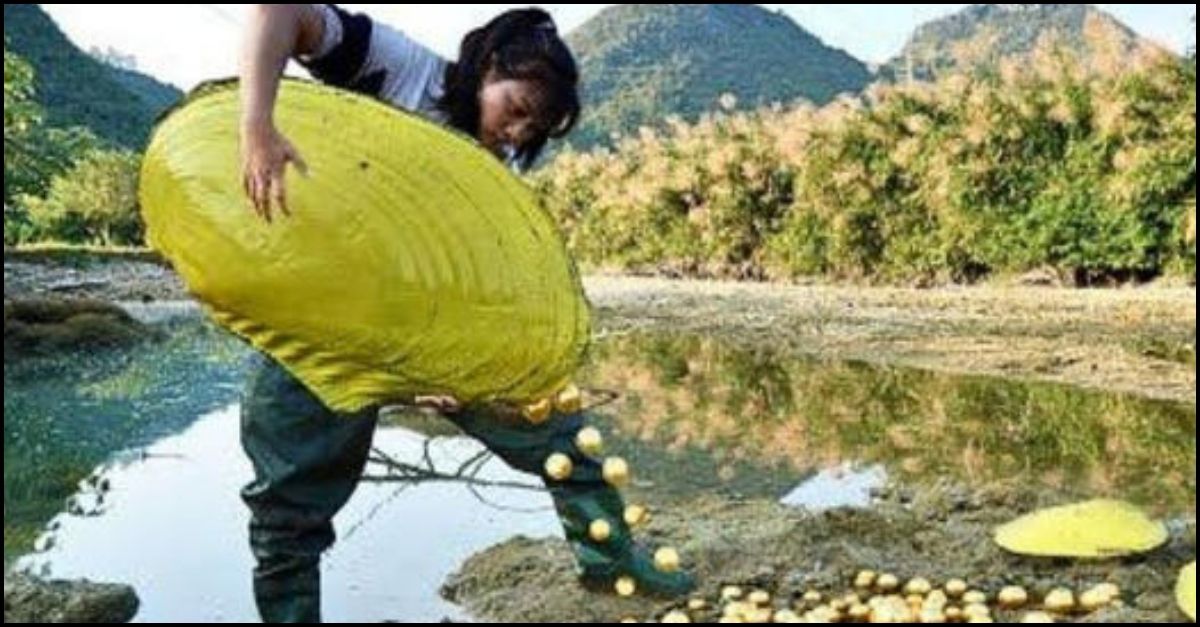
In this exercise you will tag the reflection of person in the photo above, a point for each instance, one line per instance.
(514, 88)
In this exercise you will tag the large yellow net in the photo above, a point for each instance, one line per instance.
(413, 262)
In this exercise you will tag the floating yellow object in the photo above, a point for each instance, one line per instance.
(413, 261)
(1186, 592)
(1095, 529)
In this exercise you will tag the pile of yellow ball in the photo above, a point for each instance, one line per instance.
(885, 598)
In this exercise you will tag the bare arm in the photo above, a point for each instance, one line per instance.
(275, 33)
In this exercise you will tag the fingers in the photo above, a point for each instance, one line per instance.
(265, 184)
(262, 189)
(443, 404)
(253, 187)
(262, 196)
(278, 193)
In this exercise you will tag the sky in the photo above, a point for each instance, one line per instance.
(185, 44)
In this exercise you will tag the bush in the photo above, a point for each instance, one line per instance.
(34, 154)
(95, 202)
(1045, 163)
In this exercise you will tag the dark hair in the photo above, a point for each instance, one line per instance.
(523, 45)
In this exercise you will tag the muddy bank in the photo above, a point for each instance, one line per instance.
(941, 534)
(29, 600)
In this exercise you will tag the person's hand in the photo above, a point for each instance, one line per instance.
(442, 404)
(266, 154)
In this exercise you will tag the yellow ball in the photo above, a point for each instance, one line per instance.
(616, 472)
(636, 515)
(569, 400)
(539, 412)
(600, 531)
(977, 610)
(667, 560)
(1094, 600)
(626, 587)
(1013, 597)
(975, 597)
(1061, 601)
(1111, 590)
(932, 616)
(590, 441)
(918, 587)
(676, 617)
(887, 583)
(559, 467)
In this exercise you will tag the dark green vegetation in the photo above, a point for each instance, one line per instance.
(644, 63)
(117, 104)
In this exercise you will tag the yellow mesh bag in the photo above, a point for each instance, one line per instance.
(413, 263)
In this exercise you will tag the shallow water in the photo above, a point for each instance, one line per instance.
(126, 466)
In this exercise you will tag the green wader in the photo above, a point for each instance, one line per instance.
(308, 460)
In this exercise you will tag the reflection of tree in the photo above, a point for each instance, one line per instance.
(689, 393)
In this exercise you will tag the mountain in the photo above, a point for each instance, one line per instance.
(75, 89)
(983, 34)
(644, 62)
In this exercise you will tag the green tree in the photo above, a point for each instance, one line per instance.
(34, 154)
(20, 113)
(95, 202)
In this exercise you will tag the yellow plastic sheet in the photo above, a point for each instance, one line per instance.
(1096, 529)
(414, 262)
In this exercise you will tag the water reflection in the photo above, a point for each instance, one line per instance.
(735, 406)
